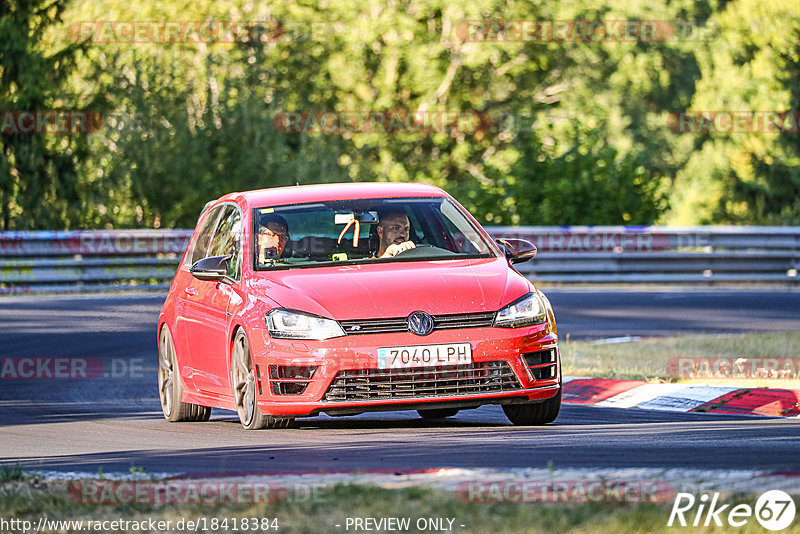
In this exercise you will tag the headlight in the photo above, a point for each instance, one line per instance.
(522, 312)
(289, 324)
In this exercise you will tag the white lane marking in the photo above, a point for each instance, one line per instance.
(686, 399)
(634, 397)
(615, 340)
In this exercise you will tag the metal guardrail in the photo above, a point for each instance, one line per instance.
(89, 260)
(660, 254)
(43, 261)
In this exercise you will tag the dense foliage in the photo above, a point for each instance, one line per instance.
(577, 131)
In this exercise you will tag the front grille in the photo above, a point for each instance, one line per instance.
(400, 324)
(388, 384)
(464, 320)
(375, 326)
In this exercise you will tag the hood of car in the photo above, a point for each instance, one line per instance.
(394, 289)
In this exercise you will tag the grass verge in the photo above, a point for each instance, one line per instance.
(648, 358)
(11, 473)
(30, 499)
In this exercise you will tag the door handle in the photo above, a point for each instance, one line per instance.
(190, 291)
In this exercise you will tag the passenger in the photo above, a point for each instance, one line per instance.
(272, 238)
(393, 234)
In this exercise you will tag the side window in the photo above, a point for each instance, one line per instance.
(204, 236)
(417, 232)
(464, 236)
(227, 240)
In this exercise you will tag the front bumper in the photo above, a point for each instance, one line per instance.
(509, 366)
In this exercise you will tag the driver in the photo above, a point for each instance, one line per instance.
(272, 238)
(393, 233)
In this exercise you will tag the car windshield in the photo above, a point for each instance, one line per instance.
(364, 230)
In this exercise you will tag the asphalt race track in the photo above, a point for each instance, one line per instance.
(113, 423)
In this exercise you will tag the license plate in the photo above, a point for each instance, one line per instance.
(424, 356)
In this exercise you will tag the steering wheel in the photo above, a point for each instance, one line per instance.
(423, 249)
(410, 252)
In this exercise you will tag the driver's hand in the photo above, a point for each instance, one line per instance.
(395, 249)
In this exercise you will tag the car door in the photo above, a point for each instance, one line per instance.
(186, 296)
(205, 311)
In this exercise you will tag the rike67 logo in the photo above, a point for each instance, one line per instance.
(774, 510)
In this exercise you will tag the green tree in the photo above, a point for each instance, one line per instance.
(577, 132)
(40, 186)
(745, 178)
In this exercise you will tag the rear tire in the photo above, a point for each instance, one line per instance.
(536, 414)
(437, 413)
(243, 378)
(170, 388)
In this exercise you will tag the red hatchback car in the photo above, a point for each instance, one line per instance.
(348, 298)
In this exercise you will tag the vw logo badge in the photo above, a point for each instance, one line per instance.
(420, 323)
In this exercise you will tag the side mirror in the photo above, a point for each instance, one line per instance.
(517, 250)
(212, 269)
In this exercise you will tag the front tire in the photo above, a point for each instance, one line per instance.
(244, 388)
(170, 388)
(536, 414)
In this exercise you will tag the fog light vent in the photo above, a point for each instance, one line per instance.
(542, 364)
(290, 379)
(288, 388)
(291, 372)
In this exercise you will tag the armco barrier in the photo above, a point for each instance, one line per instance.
(93, 260)
(660, 254)
(44, 261)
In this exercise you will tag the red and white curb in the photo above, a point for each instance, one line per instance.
(735, 400)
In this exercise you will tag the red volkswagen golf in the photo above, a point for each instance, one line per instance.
(348, 298)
